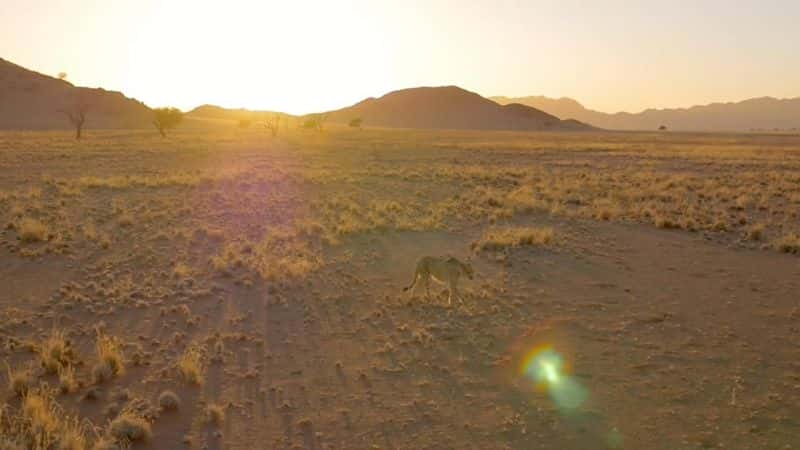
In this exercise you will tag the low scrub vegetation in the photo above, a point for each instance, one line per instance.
(41, 424)
(110, 361)
(502, 238)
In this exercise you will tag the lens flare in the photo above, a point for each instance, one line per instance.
(546, 367)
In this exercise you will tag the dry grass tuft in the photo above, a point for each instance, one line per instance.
(41, 420)
(31, 230)
(40, 424)
(125, 220)
(665, 222)
(19, 381)
(72, 435)
(182, 270)
(755, 233)
(788, 243)
(91, 234)
(110, 359)
(190, 366)
(215, 414)
(66, 380)
(498, 239)
(55, 352)
(107, 443)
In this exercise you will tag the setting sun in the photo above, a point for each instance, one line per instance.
(289, 56)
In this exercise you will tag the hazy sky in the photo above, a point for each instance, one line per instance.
(307, 55)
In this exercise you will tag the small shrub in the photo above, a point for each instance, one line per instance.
(130, 427)
(169, 401)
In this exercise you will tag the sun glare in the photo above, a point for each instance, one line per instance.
(253, 54)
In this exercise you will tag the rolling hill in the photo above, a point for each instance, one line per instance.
(765, 113)
(30, 100)
(449, 107)
(220, 113)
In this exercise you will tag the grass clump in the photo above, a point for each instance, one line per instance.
(499, 239)
(182, 270)
(66, 380)
(215, 414)
(55, 352)
(110, 359)
(19, 380)
(41, 421)
(755, 233)
(190, 366)
(789, 243)
(40, 424)
(665, 222)
(31, 230)
(130, 427)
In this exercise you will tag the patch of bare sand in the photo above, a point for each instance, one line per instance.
(669, 355)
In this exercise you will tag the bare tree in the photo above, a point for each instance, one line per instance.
(62, 75)
(166, 119)
(76, 114)
(273, 123)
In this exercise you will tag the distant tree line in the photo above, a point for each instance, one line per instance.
(168, 118)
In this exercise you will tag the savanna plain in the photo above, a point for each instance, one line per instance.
(223, 289)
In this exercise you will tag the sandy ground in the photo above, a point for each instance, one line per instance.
(281, 263)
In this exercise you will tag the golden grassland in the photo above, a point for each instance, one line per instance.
(152, 224)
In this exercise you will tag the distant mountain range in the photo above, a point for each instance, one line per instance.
(30, 100)
(449, 107)
(765, 113)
